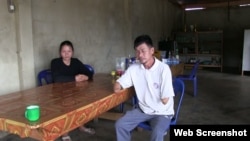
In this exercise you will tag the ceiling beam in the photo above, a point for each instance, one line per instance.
(218, 4)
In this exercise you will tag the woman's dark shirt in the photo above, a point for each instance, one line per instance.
(64, 73)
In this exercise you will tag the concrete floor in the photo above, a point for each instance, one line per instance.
(222, 99)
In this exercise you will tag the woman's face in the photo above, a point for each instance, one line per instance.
(66, 52)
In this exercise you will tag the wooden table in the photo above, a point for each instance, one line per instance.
(64, 107)
(177, 69)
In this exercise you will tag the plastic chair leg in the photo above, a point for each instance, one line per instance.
(135, 102)
(121, 107)
(195, 86)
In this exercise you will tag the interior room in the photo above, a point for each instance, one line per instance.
(32, 30)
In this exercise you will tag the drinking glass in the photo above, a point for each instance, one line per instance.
(120, 65)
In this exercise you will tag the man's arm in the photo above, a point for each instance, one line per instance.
(117, 87)
(167, 86)
(165, 100)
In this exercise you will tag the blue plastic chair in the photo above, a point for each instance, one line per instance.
(192, 76)
(121, 106)
(179, 89)
(44, 76)
(90, 68)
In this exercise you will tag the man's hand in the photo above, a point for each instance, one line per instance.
(117, 87)
(164, 100)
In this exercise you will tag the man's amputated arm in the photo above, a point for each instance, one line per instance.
(117, 87)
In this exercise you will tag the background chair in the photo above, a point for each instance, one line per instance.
(134, 103)
(44, 76)
(90, 68)
(179, 89)
(192, 76)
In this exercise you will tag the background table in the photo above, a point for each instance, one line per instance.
(177, 69)
(64, 107)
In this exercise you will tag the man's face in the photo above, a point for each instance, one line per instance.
(144, 53)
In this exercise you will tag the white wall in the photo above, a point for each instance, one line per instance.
(96, 29)
(9, 75)
(99, 29)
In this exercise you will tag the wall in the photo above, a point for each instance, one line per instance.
(17, 59)
(100, 30)
(95, 28)
(232, 22)
(9, 81)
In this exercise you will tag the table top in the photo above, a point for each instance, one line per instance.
(64, 106)
(177, 69)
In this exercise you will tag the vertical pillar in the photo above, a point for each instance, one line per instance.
(24, 39)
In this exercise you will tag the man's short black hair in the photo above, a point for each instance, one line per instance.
(143, 39)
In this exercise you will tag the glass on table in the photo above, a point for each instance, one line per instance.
(119, 72)
(120, 65)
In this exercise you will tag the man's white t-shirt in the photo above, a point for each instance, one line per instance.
(151, 85)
